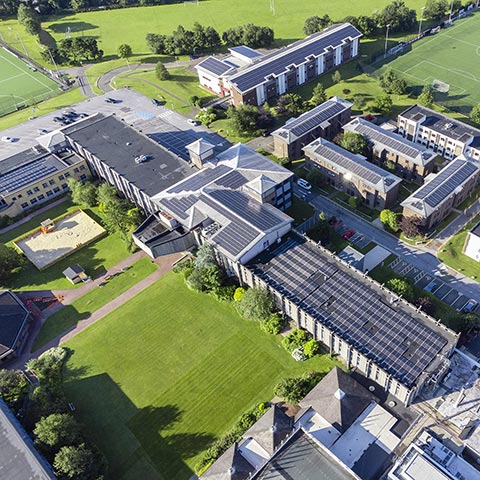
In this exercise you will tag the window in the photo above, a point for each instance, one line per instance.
(19, 195)
(64, 186)
(41, 197)
(45, 185)
(61, 177)
(36, 189)
(56, 189)
(29, 193)
(24, 205)
(67, 174)
(49, 193)
(83, 176)
(51, 182)
(33, 201)
(82, 168)
(75, 170)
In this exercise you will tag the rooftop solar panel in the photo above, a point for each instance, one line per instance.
(26, 175)
(199, 180)
(215, 66)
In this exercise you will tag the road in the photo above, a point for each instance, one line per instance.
(420, 257)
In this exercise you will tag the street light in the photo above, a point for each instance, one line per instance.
(421, 19)
(451, 12)
(386, 42)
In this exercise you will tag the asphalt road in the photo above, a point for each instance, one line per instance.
(417, 256)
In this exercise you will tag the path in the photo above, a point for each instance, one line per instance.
(164, 266)
(82, 81)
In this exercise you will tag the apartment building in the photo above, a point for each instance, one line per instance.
(325, 120)
(352, 174)
(447, 136)
(410, 160)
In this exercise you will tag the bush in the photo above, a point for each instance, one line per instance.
(389, 218)
(56, 431)
(296, 339)
(293, 389)
(353, 201)
(239, 293)
(401, 287)
(13, 387)
(311, 348)
(274, 325)
(256, 304)
(224, 293)
(183, 265)
(48, 366)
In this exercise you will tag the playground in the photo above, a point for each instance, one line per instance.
(59, 238)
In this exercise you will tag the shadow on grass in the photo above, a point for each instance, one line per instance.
(64, 27)
(47, 39)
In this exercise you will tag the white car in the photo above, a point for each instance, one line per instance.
(302, 183)
(192, 122)
(8, 139)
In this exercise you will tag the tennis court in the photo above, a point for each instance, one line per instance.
(449, 58)
(20, 84)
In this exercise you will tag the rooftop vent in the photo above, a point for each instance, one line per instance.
(339, 394)
(141, 159)
(449, 125)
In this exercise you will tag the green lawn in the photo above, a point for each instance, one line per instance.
(80, 309)
(451, 252)
(94, 258)
(161, 377)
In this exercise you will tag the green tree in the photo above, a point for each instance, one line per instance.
(290, 104)
(33, 25)
(82, 193)
(207, 116)
(205, 256)
(290, 389)
(106, 193)
(353, 201)
(316, 24)
(475, 114)
(426, 98)
(398, 16)
(295, 339)
(274, 324)
(124, 50)
(390, 219)
(336, 77)
(79, 463)
(239, 293)
(256, 304)
(435, 9)
(392, 83)
(10, 262)
(401, 287)
(243, 119)
(311, 348)
(56, 431)
(355, 143)
(412, 226)
(13, 386)
(161, 71)
(318, 95)
(383, 104)
(195, 100)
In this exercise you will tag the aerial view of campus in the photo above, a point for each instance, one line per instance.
(239, 240)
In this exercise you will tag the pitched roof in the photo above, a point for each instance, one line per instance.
(230, 466)
(13, 317)
(339, 399)
(200, 146)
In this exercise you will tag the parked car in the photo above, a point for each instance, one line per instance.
(57, 119)
(42, 131)
(192, 122)
(8, 139)
(470, 306)
(348, 234)
(156, 102)
(112, 100)
(302, 183)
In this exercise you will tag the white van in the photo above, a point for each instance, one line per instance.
(303, 184)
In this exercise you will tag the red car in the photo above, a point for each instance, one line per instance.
(348, 234)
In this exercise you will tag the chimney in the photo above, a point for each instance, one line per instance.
(200, 152)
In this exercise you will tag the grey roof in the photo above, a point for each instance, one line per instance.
(231, 465)
(271, 429)
(476, 229)
(295, 54)
(381, 138)
(13, 318)
(372, 463)
(302, 459)
(18, 458)
(246, 51)
(117, 145)
(73, 271)
(346, 162)
(449, 127)
(393, 336)
(308, 121)
(214, 66)
(200, 146)
(340, 413)
(440, 187)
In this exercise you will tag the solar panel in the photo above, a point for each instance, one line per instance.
(26, 175)
(215, 66)
(201, 179)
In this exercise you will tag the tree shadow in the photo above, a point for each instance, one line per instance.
(47, 39)
(76, 26)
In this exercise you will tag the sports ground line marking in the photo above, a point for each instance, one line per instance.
(462, 41)
(11, 78)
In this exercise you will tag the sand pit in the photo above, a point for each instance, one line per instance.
(71, 233)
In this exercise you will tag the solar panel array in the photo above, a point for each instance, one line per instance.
(445, 183)
(295, 54)
(26, 175)
(233, 180)
(246, 51)
(395, 341)
(214, 66)
(201, 179)
(178, 206)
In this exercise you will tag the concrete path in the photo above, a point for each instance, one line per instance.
(82, 81)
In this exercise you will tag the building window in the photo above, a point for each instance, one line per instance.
(33, 201)
(24, 205)
(51, 182)
(82, 168)
(41, 197)
(29, 193)
(75, 170)
(67, 174)
(56, 189)
(49, 193)
(36, 189)
(61, 177)
(45, 185)
(64, 186)
(83, 176)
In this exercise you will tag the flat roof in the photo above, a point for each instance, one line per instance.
(295, 54)
(118, 145)
(476, 230)
(399, 340)
(13, 316)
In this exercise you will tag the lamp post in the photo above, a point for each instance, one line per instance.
(451, 12)
(421, 19)
(386, 42)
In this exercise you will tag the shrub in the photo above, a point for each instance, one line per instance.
(224, 293)
(274, 324)
(13, 386)
(353, 201)
(256, 304)
(401, 287)
(48, 365)
(295, 339)
(183, 265)
(310, 348)
(239, 293)
(293, 389)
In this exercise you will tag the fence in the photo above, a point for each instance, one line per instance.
(307, 224)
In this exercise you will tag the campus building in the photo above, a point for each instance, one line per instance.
(37, 175)
(325, 120)
(19, 459)
(268, 76)
(443, 191)
(410, 160)
(14, 323)
(384, 338)
(447, 136)
(352, 173)
(472, 243)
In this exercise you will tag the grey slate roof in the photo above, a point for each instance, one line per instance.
(18, 458)
(346, 162)
(449, 127)
(13, 318)
(214, 66)
(230, 466)
(102, 135)
(246, 52)
(308, 121)
(340, 413)
(383, 139)
(295, 54)
(399, 341)
(428, 198)
(73, 271)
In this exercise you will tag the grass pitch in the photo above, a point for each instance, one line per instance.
(162, 376)
(20, 85)
(451, 56)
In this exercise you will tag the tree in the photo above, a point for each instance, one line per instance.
(79, 463)
(475, 114)
(354, 142)
(79, 48)
(10, 262)
(205, 256)
(106, 194)
(318, 95)
(206, 116)
(426, 98)
(435, 9)
(82, 193)
(33, 25)
(336, 77)
(239, 293)
(412, 226)
(389, 218)
(250, 35)
(367, 25)
(383, 104)
(392, 83)
(124, 50)
(426, 305)
(56, 431)
(290, 104)
(400, 287)
(353, 201)
(29, 19)
(398, 16)
(161, 71)
(321, 231)
(244, 119)
(13, 386)
(295, 339)
(195, 100)
(311, 348)
(274, 324)
(256, 304)
(290, 389)
(316, 24)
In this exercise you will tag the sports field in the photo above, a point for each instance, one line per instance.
(451, 56)
(21, 85)
(162, 376)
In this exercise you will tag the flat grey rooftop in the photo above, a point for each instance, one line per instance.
(13, 316)
(117, 144)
